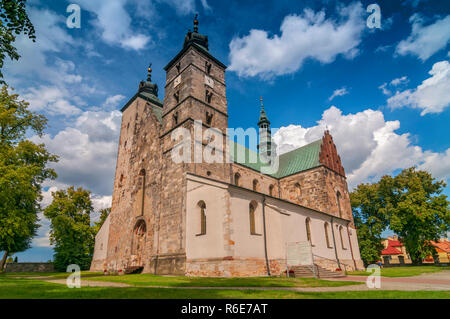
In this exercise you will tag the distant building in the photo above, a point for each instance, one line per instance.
(394, 251)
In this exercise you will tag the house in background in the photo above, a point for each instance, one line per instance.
(394, 252)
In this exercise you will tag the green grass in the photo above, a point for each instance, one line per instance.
(402, 271)
(180, 281)
(20, 288)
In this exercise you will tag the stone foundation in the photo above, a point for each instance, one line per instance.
(174, 264)
(98, 266)
(235, 267)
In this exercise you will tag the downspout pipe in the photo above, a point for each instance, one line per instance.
(265, 234)
(350, 242)
(334, 243)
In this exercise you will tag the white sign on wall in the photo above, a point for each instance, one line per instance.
(299, 254)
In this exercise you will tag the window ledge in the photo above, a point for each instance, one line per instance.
(255, 234)
(201, 234)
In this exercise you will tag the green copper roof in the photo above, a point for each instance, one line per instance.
(300, 159)
(293, 162)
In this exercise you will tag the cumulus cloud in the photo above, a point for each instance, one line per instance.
(369, 145)
(394, 83)
(308, 35)
(338, 92)
(112, 102)
(432, 96)
(425, 41)
(87, 151)
(51, 99)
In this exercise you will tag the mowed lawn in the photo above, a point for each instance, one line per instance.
(20, 288)
(402, 271)
(149, 280)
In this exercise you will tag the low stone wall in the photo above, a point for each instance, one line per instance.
(29, 267)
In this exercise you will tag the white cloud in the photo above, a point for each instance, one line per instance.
(87, 151)
(383, 88)
(368, 145)
(425, 41)
(399, 81)
(50, 99)
(338, 92)
(432, 96)
(308, 35)
(113, 101)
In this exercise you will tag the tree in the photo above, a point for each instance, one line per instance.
(370, 217)
(71, 232)
(103, 215)
(23, 168)
(420, 213)
(410, 204)
(13, 21)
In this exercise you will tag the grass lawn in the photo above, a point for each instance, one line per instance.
(180, 281)
(150, 280)
(20, 288)
(402, 271)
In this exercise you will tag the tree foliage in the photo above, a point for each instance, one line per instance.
(420, 213)
(104, 213)
(71, 232)
(23, 168)
(410, 204)
(13, 21)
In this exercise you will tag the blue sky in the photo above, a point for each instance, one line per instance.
(383, 93)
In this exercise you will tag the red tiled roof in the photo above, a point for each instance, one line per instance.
(445, 246)
(394, 243)
(391, 251)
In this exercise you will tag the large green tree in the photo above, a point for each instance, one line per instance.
(411, 204)
(13, 21)
(71, 232)
(23, 168)
(104, 213)
(371, 219)
(420, 212)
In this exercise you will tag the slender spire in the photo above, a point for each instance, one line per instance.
(262, 104)
(263, 120)
(196, 23)
(149, 74)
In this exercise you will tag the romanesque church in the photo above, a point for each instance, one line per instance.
(217, 219)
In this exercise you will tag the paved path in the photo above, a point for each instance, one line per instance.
(435, 281)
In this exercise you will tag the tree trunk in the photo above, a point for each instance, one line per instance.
(2, 265)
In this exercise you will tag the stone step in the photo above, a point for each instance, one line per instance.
(307, 272)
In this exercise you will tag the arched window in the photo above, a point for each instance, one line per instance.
(251, 210)
(202, 208)
(237, 179)
(298, 191)
(341, 229)
(121, 180)
(308, 230)
(338, 199)
(142, 183)
(327, 237)
(255, 185)
(271, 187)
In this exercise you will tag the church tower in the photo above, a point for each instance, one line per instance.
(194, 101)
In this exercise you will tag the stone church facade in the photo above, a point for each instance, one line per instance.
(216, 219)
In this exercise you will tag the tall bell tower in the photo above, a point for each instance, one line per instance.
(194, 101)
(195, 91)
